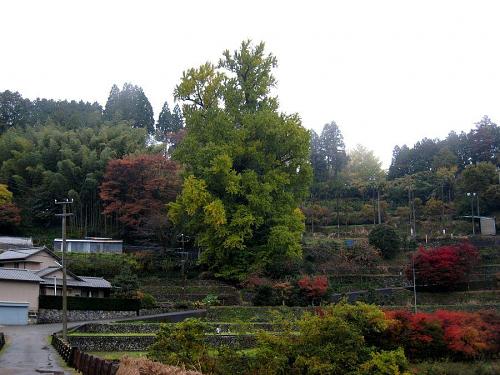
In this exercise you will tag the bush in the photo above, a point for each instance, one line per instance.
(452, 334)
(443, 267)
(337, 339)
(147, 301)
(313, 287)
(393, 362)
(126, 284)
(385, 238)
(101, 264)
(264, 296)
(84, 303)
(181, 343)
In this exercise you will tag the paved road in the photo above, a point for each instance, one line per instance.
(28, 351)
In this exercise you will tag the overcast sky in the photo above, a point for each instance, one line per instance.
(388, 72)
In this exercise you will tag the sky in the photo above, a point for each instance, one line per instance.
(387, 72)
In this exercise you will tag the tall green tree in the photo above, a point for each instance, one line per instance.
(333, 149)
(169, 126)
(364, 168)
(14, 110)
(247, 166)
(130, 104)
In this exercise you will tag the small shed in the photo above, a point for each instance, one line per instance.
(487, 225)
(90, 245)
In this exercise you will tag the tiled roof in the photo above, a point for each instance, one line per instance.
(20, 253)
(47, 271)
(19, 275)
(86, 282)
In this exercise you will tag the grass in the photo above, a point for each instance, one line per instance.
(91, 334)
(115, 356)
(242, 314)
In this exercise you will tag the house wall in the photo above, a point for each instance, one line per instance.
(45, 260)
(18, 291)
(73, 291)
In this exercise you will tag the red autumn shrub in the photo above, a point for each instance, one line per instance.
(456, 334)
(420, 334)
(469, 334)
(313, 287)
(443, 267)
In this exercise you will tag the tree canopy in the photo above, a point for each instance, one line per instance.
(130, 104)
(246, 164)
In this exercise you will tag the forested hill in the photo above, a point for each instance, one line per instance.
(480, 144)
(56, 149)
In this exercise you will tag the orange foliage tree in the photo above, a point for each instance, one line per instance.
(135, 191)
(313, 287)
(453, 334)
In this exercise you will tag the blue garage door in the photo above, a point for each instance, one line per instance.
(13, 313)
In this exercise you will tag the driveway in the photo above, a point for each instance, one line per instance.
(28, 351)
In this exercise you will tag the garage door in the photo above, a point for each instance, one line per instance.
(13, 313)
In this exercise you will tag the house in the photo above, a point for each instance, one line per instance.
(27, 273)
(90, 245)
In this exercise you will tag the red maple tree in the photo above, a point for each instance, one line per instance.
(136, 190)
(313, 287)
(443, 267)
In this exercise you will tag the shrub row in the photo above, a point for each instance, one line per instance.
(84, 303)
(448, 334)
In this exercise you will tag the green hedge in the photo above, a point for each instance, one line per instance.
(84, 303)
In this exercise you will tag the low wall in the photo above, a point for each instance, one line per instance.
(111, 343)
(141, 343)
(55, 316)
(121, 328)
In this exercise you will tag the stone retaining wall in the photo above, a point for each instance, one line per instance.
(55, 316)
(141, 343)
(154, 327)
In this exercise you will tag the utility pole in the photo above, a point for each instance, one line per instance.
(64, 215)
(183, 261)
(414, 285)
(472, 195)
(378, 205)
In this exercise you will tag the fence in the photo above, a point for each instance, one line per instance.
(85, 363)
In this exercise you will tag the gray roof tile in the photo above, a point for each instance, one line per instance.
(85, 282)
(16, 274)
(20, 253)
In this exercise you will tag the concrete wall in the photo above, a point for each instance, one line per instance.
(20, 291)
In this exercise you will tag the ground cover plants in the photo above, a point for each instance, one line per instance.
(336, 339)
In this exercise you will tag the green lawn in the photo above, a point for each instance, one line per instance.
(115, 356)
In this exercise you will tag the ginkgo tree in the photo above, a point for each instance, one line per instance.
(246, 166)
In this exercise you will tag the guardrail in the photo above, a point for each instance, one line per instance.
(85, 363)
